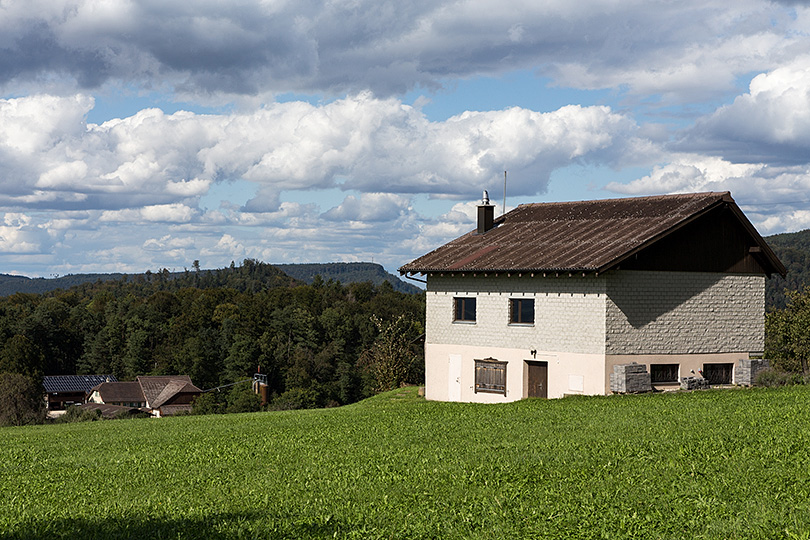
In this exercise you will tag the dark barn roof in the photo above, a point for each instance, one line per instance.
(74, 383)
(595, 236)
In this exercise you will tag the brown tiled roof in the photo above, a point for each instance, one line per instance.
(159, 389)
(583, 236)
(120, 392)
(152, 385)
(172, 389)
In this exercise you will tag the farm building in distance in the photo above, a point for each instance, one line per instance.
(161, 395)
(546, 299)
(61, 391)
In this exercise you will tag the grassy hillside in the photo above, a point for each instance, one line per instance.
(715, 464)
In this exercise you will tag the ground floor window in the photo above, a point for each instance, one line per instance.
(718, 373)
(490, 376)
(663, 373)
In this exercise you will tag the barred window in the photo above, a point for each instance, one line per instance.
(490, 376)
(718, 373)
(663, 373)
(521, 311)
(464, 309)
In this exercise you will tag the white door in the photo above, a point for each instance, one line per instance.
(454, 378)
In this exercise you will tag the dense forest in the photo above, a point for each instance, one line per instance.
(315, 342)
(793, 249)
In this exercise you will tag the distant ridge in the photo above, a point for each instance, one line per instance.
(353, 272)
(10, 284)
(342, 272)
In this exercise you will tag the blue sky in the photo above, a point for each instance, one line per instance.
(144, 135)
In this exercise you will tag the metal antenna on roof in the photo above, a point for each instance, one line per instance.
(504, 193)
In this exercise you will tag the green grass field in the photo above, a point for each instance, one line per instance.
(712, 464)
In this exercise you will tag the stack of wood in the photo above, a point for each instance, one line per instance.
(748, 370)
(694, 383)
(630, 379)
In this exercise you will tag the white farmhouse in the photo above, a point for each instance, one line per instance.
(546, 299)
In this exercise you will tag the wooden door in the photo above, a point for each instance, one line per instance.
(538, 379)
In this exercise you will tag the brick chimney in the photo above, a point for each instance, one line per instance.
(486, 214)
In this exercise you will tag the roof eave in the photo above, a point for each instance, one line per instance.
(426, 271)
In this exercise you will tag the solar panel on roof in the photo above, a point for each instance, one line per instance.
(74, 383)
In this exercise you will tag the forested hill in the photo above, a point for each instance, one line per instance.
(20, 284)
(318, 344)
(793, 249)
(355, 272)
(250, 276)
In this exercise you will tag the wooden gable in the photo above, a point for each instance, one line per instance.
(714, 242)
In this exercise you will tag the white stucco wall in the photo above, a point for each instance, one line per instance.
(449, 379)
(568, 333)
(684, 313)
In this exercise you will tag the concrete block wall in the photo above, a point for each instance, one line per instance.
(569, 312)
(683, 312)
(747, 369)
(631, 378)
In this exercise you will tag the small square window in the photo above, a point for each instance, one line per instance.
(464, 309)
(521, 311)
(490, 376)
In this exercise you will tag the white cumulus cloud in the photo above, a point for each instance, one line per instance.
(369, 207)
(152, 163)
(769, 123)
